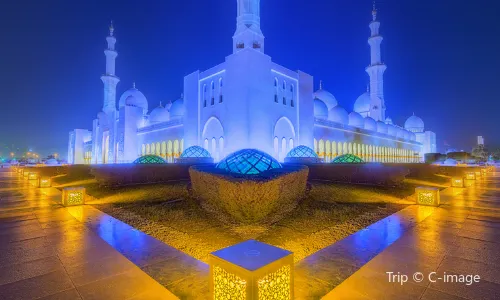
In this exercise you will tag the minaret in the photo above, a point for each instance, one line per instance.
(109, 79)
(376, 70)
(248, 33)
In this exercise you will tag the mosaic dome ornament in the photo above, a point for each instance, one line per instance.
(348, 159)
(195, 152)
(302, 151)
(149, 160)
(248, 162)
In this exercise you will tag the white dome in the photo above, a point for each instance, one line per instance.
(450, 162)
(388, 121)
(52, 162)
(356, 120)
(392, 130)
(381, 127)
(320, 109)
(370, 124)
(177, 108)
(339, 115)
(159, 115)
(414, 124)
(134, 97)
(362, 104)
(326, 97)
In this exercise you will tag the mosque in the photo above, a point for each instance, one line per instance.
(249, 101)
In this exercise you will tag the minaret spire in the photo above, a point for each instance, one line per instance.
(109, 79)
(248, 33)
(376, 70)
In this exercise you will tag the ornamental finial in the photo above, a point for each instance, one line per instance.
(374, 11)
(133, 85)
(161, 105)
(111, 29)
(321, 84)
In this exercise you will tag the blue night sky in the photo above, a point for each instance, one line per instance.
(442, 57)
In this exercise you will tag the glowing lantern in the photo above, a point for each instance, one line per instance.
(457, 182)
(478, 174)
(484, 171)
(26, 174)
(73, 196)
(44, 182)
(20, 170)
(468, 183)
(470, 176)
(251, 270)
(32, 175)
(427, 196)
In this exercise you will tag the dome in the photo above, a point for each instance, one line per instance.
(149, 159)
(326, 97)
(159, 115)
(195, 152)
(52, 162)
(347, 159)
(370, 124)
(302, 151)
(339, 115)
(381, 127)
(414, 124)
(134, 97)
(320, 109)
(362, 104)
(450, 162)
(356, 120)
(392, 130)
(388, 121)
(177, 108)
(248, 162)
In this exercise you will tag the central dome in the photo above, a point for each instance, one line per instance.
(134, 97)
(248, 162)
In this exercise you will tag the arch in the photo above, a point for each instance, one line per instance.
(290, 144)
(340, 149)
(158, 149)
(221, 147)
(212, 128)
(205, 145)
(345, 149)
(316, 146)
(283, 149)
(148, 149)
(334, 149)
(169, 151)
(164, 149)
(153, 148)
(176, 148)
(284, 128)
(321, 148)
(213, 148)
(350, 148)
(143, 150)
(181, 146)
(328, 151)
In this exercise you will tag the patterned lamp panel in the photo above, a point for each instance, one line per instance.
(45, 182)
(457, 182)
(265, 276)
(427, 196)
(470, 176)
(73, 196)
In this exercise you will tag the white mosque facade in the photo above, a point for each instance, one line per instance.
(249, 101)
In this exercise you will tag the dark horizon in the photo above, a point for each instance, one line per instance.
(441, 57)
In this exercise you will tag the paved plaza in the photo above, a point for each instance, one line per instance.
(51, 252)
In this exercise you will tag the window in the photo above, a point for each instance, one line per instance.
(291, 96)
(276, 90)
(220, 91)
(212, 94)
(204, 95)
(284, 100)
(284, 92)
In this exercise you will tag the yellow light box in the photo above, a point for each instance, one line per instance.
(470, 176)
(32, 175)
(251, 270)
(45, 182)
(427, 196)
(457, 182)
(73, 196)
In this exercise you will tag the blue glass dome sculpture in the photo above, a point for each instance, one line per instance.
(248, 162)
(302, 151)
(195, 152)
(149, 159)
(347, 159)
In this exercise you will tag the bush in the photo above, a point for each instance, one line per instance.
(376, 174)
(250, 199)
(126, 174)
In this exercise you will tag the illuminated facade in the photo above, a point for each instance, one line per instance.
(248, 101)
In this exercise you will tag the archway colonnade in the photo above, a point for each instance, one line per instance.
(169, 150)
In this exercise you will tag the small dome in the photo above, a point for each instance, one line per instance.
(356, 120)
(159, 115)
(134, 97)
(362, 104)
(52, 162)
(177, 108)
(195, 152)
(347, 159)
(302, 151)
(339, 115)
(414, 124)
(326, 97)
(392, 130)
(370, 124)
(388, 121)
(149, 159)
(450, 162)
(248, 162)
(320, 109)
(381, 127)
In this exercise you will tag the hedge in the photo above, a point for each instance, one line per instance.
(126, 174)
(250, 199)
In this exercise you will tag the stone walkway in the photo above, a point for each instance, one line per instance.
(48, 253)
(461, 237)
